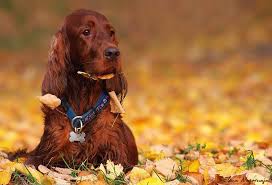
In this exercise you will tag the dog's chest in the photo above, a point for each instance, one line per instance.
(105, 129)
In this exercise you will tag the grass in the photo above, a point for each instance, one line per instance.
(196, 147)
(251, 163)
(232, 151)
(84, 166)
(74, 172)
(19, 178)
(179, 176)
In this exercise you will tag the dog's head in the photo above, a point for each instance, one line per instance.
(93, 44)
(86, 42)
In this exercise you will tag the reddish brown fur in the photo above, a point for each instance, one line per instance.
(72, 51)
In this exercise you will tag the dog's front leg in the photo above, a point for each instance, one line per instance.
(115, 151)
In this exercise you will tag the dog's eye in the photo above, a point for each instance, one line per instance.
(86, 32)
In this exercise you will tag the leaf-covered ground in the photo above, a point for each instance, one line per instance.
(208, 123)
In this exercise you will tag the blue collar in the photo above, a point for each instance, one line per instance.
(78, 122)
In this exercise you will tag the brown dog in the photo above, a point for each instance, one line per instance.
(86, 42)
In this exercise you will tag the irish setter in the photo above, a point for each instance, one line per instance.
(85, 42)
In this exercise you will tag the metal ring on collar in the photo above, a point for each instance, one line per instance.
(80, 121)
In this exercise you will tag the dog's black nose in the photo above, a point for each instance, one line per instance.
(111, 53)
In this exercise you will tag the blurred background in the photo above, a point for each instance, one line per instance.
(198, 71)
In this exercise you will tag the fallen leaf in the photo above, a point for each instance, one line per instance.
(194, 166)
(26, 170)
(257, 178)
(60, 181)
(85, 183)
(226, 169)
(5, 177)
(111, 171)
(43, 169)
(118, 107)
(105, 77)
(149, 166)
(90, 178)
(53, 174)
(167, 167)
(159, 176)
(3, 154)
(185, 165)
(50, 100)
(197, 176)
(150, 181)
(138, 174)
(174, 182)
(166, 150)
(262, 171)
(65, 171)
(235, 180)
(191, 179)
(153, 155)
(96, 77)
(84, 173)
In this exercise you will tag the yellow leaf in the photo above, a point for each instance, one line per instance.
(185, 165)
(194, 166)
(138, 174)
(100, 182)
(158, 176)
(26, 170)
(150, 181)
(47, 180)
(85, 183)
(107, 76)
(5, 177)
(209, 146)
(153, 155)
(102, 77)
(226, 169)
(7, 165)
(254, 137)
(206, 176)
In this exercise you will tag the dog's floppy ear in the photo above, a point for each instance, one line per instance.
(118, 84)
(55, 79)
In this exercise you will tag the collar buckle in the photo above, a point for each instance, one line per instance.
(75, 121)
(78, 122)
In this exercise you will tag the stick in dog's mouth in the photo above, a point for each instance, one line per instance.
(96, 77)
